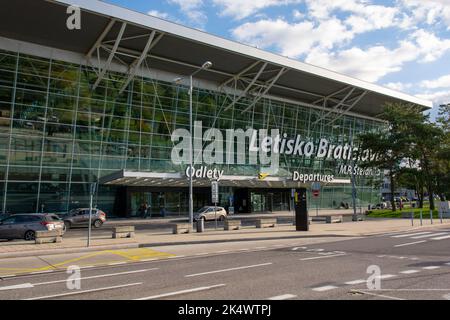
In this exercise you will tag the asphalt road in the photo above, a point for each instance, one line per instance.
(413, 266)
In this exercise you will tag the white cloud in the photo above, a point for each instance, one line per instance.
(427, 11)
(294, 39)
(442, 82)
(158, 14)
(192, 9)
(298, 15)
(431, 47)
(363, 15)
(240, 9)
(398, 86)
(371, 64)
(438, 98)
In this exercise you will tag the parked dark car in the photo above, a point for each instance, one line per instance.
(80, 218)
(24, 226)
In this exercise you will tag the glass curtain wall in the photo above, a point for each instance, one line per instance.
(57, 135)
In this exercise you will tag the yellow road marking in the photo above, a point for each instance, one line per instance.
(130, 255)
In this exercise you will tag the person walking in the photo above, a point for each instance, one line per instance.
(145, 208)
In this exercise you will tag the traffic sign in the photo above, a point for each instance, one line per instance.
(215, 191)
(315, 188)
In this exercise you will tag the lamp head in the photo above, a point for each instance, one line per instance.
(207, 65)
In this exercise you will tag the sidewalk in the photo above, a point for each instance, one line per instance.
(149, 238)
(174, 219)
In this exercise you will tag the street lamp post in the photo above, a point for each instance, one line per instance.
(205, 66)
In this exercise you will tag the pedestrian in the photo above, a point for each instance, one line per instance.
(141, 211)
(145, 208)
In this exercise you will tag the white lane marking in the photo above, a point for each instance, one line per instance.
(84, 291)
(223, 251)
(410, 234)
(283, 297)
(116, 263)
(202, 254)
(359, 281)
(230, 269)
(173, 257)
(87, 267)
(377, 295)
(17, 286)
(324, 288)
(448, 263)
(441, 238)
(8, 276)
(296, 248)
(93, 277)
(430, 235)
(409, 244)
(170, 294)
(146, 260)
(431, 268)
(40, 272)
(315, 250)
(386, 276)
(409, 271)
(323, 257)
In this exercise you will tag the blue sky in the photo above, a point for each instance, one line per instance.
(401, 44)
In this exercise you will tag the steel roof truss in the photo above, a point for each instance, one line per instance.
(137, 63)
(342, 113)
(269, 85)
(336, 107)
(111, 56)
(249, 86)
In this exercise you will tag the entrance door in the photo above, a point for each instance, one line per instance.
(138, 200)
(258, 202)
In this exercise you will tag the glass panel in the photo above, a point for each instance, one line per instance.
(21, 197)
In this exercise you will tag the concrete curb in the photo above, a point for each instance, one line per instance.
(58, 251)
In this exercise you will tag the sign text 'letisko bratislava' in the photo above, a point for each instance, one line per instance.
(255, 147)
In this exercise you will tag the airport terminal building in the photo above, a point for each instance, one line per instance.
(99, 104)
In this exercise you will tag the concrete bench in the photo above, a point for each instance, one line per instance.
(48, 237)
(123, 232)
(349, 218)
(266, 223)
(181, 228)
(333, 219)
(232, 224)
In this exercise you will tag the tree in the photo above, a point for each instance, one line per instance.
(391, 143)
(442, 156)
(426, 144)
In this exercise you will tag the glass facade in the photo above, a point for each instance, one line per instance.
(57, 136)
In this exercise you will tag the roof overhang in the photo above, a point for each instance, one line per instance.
(132, 37)
(153, 179)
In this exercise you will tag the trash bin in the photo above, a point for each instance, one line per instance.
(201, 225)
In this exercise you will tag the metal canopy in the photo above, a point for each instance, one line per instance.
(152, 179)
(112, 33)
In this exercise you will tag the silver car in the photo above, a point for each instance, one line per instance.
(80, 218)
(208, 213)
(24, 226)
